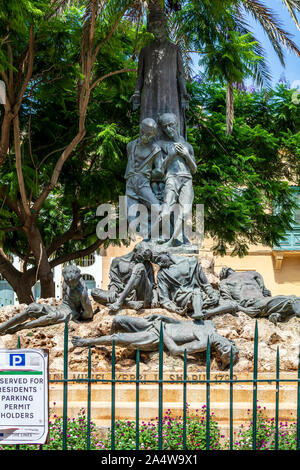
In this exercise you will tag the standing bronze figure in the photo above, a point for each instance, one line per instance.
(160, 85)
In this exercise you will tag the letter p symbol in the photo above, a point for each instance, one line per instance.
(17, 360)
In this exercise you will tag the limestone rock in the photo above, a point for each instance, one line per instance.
(239, 328)
(208, 265)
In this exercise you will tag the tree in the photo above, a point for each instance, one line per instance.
(244, 179)
(230, 62)
(218, 27)
(29, 184)
(68, 71)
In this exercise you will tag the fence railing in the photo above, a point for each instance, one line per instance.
(161, 382)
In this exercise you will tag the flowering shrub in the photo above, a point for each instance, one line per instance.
(265, 434)
(172, 433)
(76, 434)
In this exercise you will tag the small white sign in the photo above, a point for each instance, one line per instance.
(24, 400)
(2, 92)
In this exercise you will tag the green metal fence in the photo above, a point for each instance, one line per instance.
(232, 381)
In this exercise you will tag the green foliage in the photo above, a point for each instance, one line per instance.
(244, 180)
(77, 429)
(49, 121)
(125, 434)
(16, 14)
(240, 178)
(202, 22)
(230, 59)
(172, 433)
(265, 434)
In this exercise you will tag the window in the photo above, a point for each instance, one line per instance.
(85, 261)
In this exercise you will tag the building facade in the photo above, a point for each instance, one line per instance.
(90, 266)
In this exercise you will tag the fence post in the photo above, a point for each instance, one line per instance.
(208, 395)
(65, 389)
(113, 394)
(254, 414)
(160, 386)
(137, 401)
(231, 401)
(184, 399)
(298, 405)
(88, 437)
(277, 399)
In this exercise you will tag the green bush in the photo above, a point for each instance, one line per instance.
(172, 433)
(265, 434)
(76, 434)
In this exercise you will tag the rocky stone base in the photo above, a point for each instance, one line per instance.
(241, 329)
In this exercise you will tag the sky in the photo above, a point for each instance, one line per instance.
(292, 69)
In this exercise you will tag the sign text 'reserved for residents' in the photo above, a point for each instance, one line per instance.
(24, 402)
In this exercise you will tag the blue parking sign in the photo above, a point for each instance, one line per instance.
(17, 360)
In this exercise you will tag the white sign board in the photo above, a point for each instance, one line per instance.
(24, 402)
(2, 92)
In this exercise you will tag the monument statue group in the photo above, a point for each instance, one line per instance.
(159, 173)
(181, 286)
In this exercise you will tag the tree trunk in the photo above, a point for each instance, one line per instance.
(21, 283)
(229, 109)
(23, 291)
(5, 133)
(47, 285)
(43, 270)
